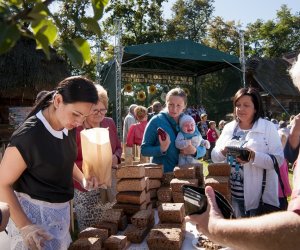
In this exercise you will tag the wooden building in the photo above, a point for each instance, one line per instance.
(280, 97)
(25, 71)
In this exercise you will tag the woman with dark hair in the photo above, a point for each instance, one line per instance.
(249, 130)
(37, 169)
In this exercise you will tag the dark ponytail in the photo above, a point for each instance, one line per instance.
(72, 89)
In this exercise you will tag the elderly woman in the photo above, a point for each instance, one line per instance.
(251, 131)
(89, 206)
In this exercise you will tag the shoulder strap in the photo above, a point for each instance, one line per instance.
(276, 167)
(263, 183)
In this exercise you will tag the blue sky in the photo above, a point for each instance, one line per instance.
(246, 11)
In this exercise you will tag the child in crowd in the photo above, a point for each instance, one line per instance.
(189, 135)
(136, 131)
(212, 136)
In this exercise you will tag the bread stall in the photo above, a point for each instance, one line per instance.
(149, 213)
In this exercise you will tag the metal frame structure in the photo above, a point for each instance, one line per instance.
(118, 53)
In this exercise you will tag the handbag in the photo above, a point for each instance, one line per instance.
(265, 208)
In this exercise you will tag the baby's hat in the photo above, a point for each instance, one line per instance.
(185, 118)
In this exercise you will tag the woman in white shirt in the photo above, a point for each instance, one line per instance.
(249, 130)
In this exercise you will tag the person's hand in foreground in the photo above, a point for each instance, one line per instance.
(206, 221)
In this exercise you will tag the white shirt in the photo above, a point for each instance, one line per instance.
(263, 139)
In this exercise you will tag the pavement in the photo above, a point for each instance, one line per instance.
(4, 241)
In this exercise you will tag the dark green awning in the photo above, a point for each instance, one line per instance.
(180, 55)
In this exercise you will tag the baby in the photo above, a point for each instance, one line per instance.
(189, 135)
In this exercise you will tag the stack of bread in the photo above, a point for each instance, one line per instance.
(184, 175)
(132, 195)
(142, 222)
(169, 233)
(154, 174)
(218, 178)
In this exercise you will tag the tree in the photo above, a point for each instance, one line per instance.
(32, 18)
(141, 20)
(189, 19)
(275, 37)
(223, 36)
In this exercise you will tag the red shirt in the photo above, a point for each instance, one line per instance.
(136, 133)
(115, 143)
(212, 135)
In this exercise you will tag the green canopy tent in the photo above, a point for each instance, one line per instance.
(173, 63)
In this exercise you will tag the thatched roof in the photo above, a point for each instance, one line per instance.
(271, 75)
(24, 71)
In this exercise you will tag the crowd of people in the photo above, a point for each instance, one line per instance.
(37, 181)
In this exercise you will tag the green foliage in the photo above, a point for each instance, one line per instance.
(274, 37)
(8, 37)
(141, 20)
(190, 19)
(34, 19)
(223, 35)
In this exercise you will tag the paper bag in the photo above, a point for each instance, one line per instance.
(96, 155)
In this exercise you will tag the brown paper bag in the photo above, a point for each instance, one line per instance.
(96, 155)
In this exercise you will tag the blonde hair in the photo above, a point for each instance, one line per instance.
(140, 112)
(295, 73)
(102, 95)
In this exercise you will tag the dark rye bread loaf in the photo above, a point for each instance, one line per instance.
(115, 242)
(171, 212)
(86, 244)
(219, 169)
(154, 183)
(166, 179)
(130, 208)
(134, 234)
(111, 227)
(177, 197)
(153, 170)
(131, 184)
(113, 215)
(176, 184)
(164, 194)
(219, 183)
(94, 232)
(130, 172)
(166, 237)
(132, 197)
(185, 172)
(143, 218)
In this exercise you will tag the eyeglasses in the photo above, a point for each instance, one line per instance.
(99, 111)
(78, 114)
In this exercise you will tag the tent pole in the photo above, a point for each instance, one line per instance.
(118, 60)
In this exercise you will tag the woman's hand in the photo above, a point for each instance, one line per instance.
(164, 144)
(90, 183)
(224, 151)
